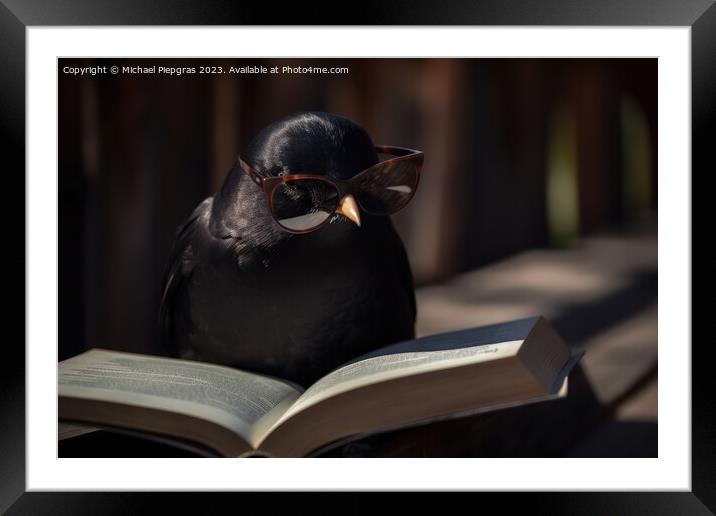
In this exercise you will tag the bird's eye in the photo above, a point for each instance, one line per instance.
(307, 202)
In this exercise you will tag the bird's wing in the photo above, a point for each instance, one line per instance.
(178, 270)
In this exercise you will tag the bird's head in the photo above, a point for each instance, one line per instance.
(315, 178)
(314, 143)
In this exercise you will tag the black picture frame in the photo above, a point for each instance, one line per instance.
(17, 15)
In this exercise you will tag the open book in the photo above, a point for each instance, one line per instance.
(235, 412)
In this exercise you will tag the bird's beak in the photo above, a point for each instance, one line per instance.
(348, 207)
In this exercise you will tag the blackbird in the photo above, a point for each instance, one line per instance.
(240, 290)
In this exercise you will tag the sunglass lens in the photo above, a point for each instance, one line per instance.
(304, 204)
(386, 189)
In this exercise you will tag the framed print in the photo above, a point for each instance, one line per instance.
(230, 209)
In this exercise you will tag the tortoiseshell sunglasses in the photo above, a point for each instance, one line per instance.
(303, 202)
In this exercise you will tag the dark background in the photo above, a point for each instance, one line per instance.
(538, 195)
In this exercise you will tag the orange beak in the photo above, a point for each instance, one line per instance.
(348, 207)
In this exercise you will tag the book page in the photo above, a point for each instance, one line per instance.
(232, 398)
(378, 368)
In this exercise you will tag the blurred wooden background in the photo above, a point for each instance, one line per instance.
(538, 196)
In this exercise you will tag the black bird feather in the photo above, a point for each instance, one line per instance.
(240, 291)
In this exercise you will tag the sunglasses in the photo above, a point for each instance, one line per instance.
(303, 202)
